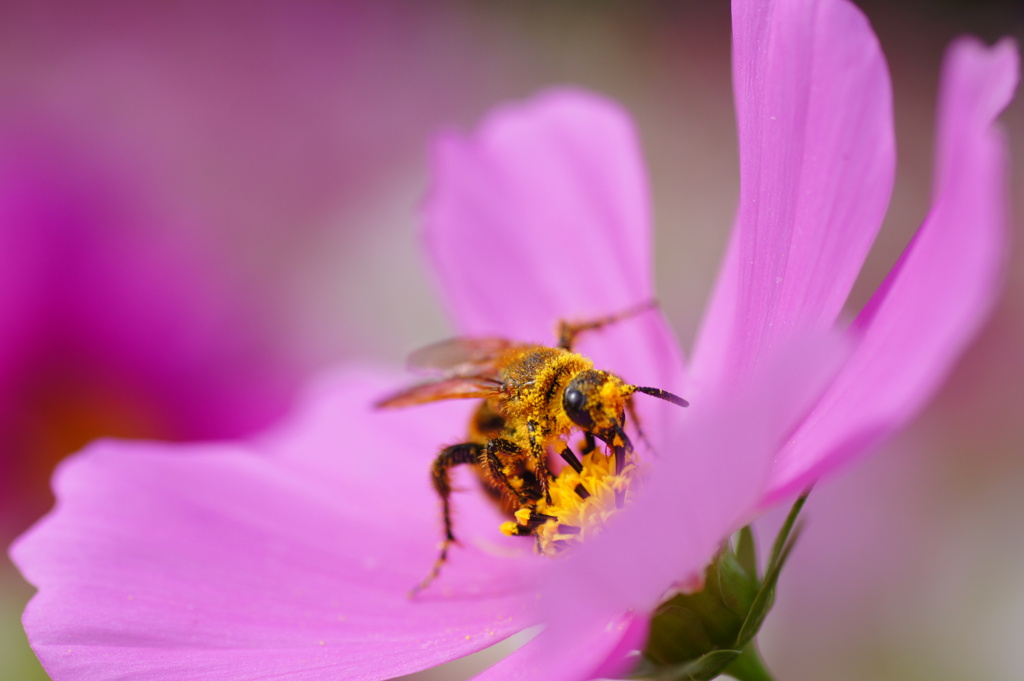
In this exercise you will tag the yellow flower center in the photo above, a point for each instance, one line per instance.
(581, 502)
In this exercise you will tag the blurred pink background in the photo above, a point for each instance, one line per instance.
(201, 204)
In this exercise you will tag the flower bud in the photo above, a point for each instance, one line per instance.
(699, 635)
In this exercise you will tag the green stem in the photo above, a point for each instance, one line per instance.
(748, 666)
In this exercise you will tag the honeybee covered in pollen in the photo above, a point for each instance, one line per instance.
(534, 398)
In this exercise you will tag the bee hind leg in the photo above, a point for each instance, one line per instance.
(567, 331)
(456, 455)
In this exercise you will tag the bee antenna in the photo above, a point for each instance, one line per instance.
(663, 395)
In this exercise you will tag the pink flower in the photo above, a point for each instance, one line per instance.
(292, 553)
(112, 322)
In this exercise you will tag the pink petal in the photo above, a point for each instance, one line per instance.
(813, 105)
(593, 649)
(941, 290)
(290, 556)
(543, 215)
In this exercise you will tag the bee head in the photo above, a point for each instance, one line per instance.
(595, 400)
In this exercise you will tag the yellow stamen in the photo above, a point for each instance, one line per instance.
(583, 502)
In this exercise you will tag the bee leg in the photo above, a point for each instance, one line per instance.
(631, 410)
(589, 443)
(540, 460)
(567, 331)
(574, 462)
(570, 458)
(621, 445)
(467, 452)
(496, 466)
(533, 522)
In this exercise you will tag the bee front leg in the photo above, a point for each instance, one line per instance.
(631, 410)
(570, 458)
(589, 443)
(540, 459)
(456, 455)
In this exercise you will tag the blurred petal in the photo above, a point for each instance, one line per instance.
(291, 556)
(543, 215)
(592, 650)
(942, 288)
(814, 112)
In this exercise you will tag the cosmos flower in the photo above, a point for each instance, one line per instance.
(112, 322)
(291, 554)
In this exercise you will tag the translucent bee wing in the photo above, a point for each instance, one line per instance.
(449, 388)
(462, 356)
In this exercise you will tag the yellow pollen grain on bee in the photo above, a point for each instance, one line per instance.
(611, 394)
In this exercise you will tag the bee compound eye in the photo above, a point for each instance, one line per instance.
(573, 400)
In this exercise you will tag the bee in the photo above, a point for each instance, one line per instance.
(533, 399)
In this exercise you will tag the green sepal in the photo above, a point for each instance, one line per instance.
(746, 550)
(698, 636)
(762, 604)
(744, 665)
(704, 668)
